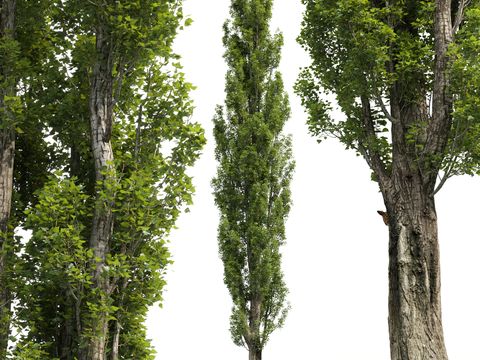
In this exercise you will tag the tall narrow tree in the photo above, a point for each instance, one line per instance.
(252, 184)
(421, 59)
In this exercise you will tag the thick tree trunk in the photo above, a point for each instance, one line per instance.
(7, 151)
(254, 354)
(415, 316)
(101, 121)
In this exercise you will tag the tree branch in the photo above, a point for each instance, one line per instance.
(373, 159)
(383, 107)
(459, 17)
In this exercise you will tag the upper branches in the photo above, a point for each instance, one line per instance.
(396, 55)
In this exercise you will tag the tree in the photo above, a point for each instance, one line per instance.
(251, 188)
(22, 50)
(418, 57)
(119, 109)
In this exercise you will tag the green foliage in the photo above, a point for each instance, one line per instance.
(252, 184)
(29, 351)
(463, 152)
(56, 260)
(362, 51)
(154, 143)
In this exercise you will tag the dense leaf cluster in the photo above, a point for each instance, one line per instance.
(255, 170)
(154, 142)
(372, 54)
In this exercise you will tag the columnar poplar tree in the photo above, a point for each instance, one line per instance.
(252, 184)
(412, 65)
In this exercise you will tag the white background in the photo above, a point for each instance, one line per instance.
(336, 258)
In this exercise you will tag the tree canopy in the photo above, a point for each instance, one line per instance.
(111, 62)
(362, 50)
(251, 188)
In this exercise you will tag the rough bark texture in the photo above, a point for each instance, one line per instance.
(7, 150)
(101, 118)
(65, 337)
(117, 323)
(415, 316)
(253, 338)
(254, 354)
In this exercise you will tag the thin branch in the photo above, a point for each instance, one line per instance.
(384, 109)
(459, 17)
(373, 159)
(364, 152)
(140, 113)
(448, 173)
(120, 82)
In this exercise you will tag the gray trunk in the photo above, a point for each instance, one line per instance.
(7, 151)
(415, 315)
(7, 148)
(101, 119)
(117, 322)
(253, 341)
(67, 329)
(254, 354)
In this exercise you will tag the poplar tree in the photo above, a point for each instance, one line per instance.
(251, 188)
(112, 95)
(405, 74)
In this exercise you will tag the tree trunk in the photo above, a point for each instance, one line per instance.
(7, 153)
(67, 328)
(117, 322)
(253, 341)
(415, 316)
(7, 148)
(101, 119)
(414, 306)
(254, 354)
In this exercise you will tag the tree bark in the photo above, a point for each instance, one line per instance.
(117, 322)
(254, 354)
(67, 328)
(415, 316)
(101, 121)
(7, 152)
(253, 340)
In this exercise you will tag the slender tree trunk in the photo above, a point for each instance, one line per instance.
(115, 339)
(67, 329)
(117, 322)
(7, 151)
(7, 148)
(101, 119)
(253, 341)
